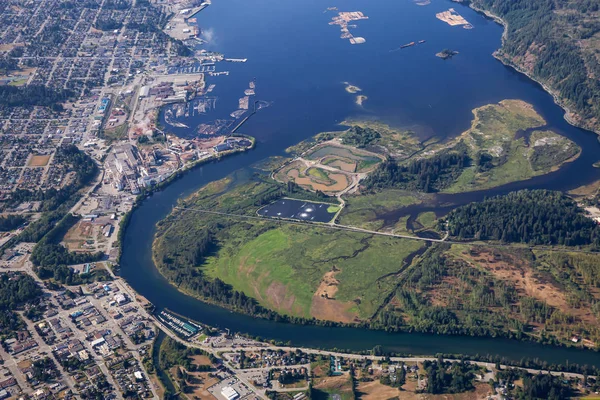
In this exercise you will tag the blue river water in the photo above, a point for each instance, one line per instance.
(299, 63)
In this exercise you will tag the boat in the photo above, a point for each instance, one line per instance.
(421, 41)
(407, 45)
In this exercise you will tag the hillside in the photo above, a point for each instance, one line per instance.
(556, 43)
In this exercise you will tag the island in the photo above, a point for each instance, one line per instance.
(446, 54)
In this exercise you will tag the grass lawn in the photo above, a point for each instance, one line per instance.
(365, 165)
(18, 82)
(427, 219)
(333, 209)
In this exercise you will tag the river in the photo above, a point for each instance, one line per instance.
(299, 63)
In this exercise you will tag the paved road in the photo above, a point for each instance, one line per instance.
(488, 365)
(67, 378)
(215, 351)
(319, 224)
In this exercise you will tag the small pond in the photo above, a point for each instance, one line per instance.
(299, 209)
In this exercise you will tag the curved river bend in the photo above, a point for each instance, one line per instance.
(299, 62)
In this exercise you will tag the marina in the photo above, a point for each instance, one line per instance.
(183, 328)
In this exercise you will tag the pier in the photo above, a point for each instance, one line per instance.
(242, 122)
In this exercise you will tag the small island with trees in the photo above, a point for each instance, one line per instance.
(446, 54)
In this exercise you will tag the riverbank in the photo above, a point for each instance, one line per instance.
(260, 344)
(277, 270)
(178, 173)
(146, 278)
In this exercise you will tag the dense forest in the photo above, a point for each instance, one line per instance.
(553, 41)
(360, 137)
(7, 65)
(33, 95)
(447, 377)
(536, 217)
(425, 175)
(52, 259)
(10, 222)
(15, 290)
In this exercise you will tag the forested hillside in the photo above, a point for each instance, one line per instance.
(425, 175)
(528, 216)
(556, 42)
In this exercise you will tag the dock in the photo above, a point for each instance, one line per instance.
(196, 10)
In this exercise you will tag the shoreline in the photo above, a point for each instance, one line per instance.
(497, 55)
(367, 324)
(488, 360)
(178, 173)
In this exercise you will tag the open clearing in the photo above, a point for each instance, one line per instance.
(79, 235)
(39, 160)
(289, 268)
(326, 387)
(324, 308)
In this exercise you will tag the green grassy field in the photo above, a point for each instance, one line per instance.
(362, 210)
(427, 219)
(280, 265)
(493, 134)
(319, 174)
(283, 267)
(333, 209)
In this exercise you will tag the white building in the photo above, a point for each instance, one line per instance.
(229, 393)
(121, 298)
